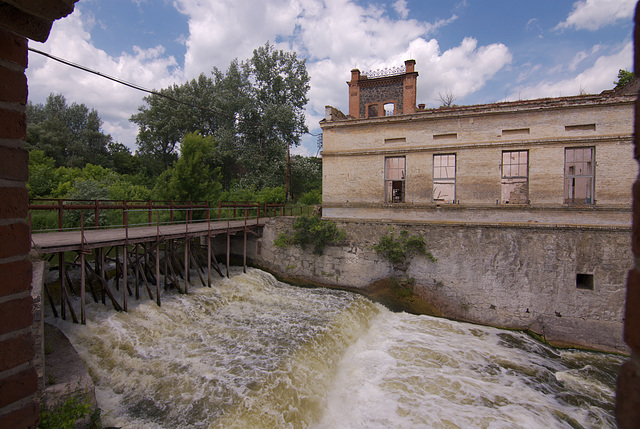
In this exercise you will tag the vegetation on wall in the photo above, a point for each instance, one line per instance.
(399, 250)
(312, 231)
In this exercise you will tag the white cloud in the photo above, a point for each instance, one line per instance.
(400, 6)
(594, 14)
(115, 103)
(592, 80)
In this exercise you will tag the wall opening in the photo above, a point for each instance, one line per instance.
(372, 111)
(394, 179)
(578, 175)
(584, 281)
(444, 178)
(515, 177)
(389, 109)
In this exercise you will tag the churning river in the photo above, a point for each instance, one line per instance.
(252, 352)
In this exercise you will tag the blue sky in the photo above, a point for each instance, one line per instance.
(481, 51)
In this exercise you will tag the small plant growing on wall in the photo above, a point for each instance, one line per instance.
(313, 231)
(399, 250)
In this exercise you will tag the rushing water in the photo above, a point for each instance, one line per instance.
(251, 352)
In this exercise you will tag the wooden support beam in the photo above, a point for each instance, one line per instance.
(186, 265)
(107, 291)
(83, 313)
(125, 285)
(61, 275)
(228, 250)
(50, 299)
(158, 272)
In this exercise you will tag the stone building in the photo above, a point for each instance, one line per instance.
(557, 160)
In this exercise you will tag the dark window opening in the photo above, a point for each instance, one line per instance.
(584, 281)
(578, 175)
(394, 178)
(372, 111)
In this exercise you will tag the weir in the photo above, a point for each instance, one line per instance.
(150, 254)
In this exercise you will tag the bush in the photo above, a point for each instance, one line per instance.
(399, 250)
(311, 230)
(66, 415)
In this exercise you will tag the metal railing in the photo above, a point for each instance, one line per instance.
(100, 213)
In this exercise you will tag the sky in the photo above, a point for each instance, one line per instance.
(480, 51)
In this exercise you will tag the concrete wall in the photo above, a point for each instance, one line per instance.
(521, 277)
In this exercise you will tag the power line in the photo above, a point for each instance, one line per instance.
(134, 86)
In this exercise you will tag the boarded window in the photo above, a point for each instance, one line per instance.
(515, 177)
(394, 179)
(578, 175)
(444, 178)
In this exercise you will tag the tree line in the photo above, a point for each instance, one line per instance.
(220, 137)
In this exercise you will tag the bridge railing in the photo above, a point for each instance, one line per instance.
(47, 214)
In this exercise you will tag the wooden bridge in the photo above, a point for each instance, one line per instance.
(153, 254)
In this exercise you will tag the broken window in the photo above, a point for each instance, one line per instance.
(578, 175)
(394, 178)
(444, 178)
(515, 177)
(389, 109)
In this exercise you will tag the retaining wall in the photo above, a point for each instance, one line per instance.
(517, 276)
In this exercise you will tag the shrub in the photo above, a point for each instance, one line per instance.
(66, 415)
(311, 230)
(398, 250)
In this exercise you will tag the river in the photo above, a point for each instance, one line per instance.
(252, 352)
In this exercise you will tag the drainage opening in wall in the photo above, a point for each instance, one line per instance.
(584, 281)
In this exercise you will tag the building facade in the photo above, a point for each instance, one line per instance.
(562, 160)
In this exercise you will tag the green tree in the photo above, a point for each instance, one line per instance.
(274, 121)
(624, 77)
(163, 122)
(41, 174)
(70, 134)
(306, 175)
(193, 176)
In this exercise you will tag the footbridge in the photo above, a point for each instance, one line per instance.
(122, 250)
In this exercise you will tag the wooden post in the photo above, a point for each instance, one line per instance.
(158, 258)
(137, 271)
(186, 265)
(124, 277)
(63, 307)
(208, 247)
(228, 248)
(101, 251)
(244, 255)
(117, 266)
(83, 314)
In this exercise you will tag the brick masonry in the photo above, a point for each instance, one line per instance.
(18, 379)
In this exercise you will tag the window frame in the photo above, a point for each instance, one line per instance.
(507, 179)
(437, 179)
(570, 179)
(392, 183)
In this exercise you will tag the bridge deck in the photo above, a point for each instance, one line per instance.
(51, 242)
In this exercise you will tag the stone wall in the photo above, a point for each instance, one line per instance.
(519, 277)
(380, 94)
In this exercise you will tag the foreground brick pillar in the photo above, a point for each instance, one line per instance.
(18, 380)
(628, 391)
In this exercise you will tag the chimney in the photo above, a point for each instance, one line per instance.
(354, 94)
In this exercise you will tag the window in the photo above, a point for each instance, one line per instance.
(444, 178)
(584, 281)
(394, 178)
(515, 177)
(389, 108)
(372, 111)
(578, 175)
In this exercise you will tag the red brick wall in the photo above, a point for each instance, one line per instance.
(18, 380)
(628, 395)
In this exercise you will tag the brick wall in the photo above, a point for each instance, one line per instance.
(18, 379)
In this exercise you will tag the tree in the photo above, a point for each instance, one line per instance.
(193, 176)
(447, 97)
(275, 120)
(624, 77)
(70, 134)
(163, 122)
